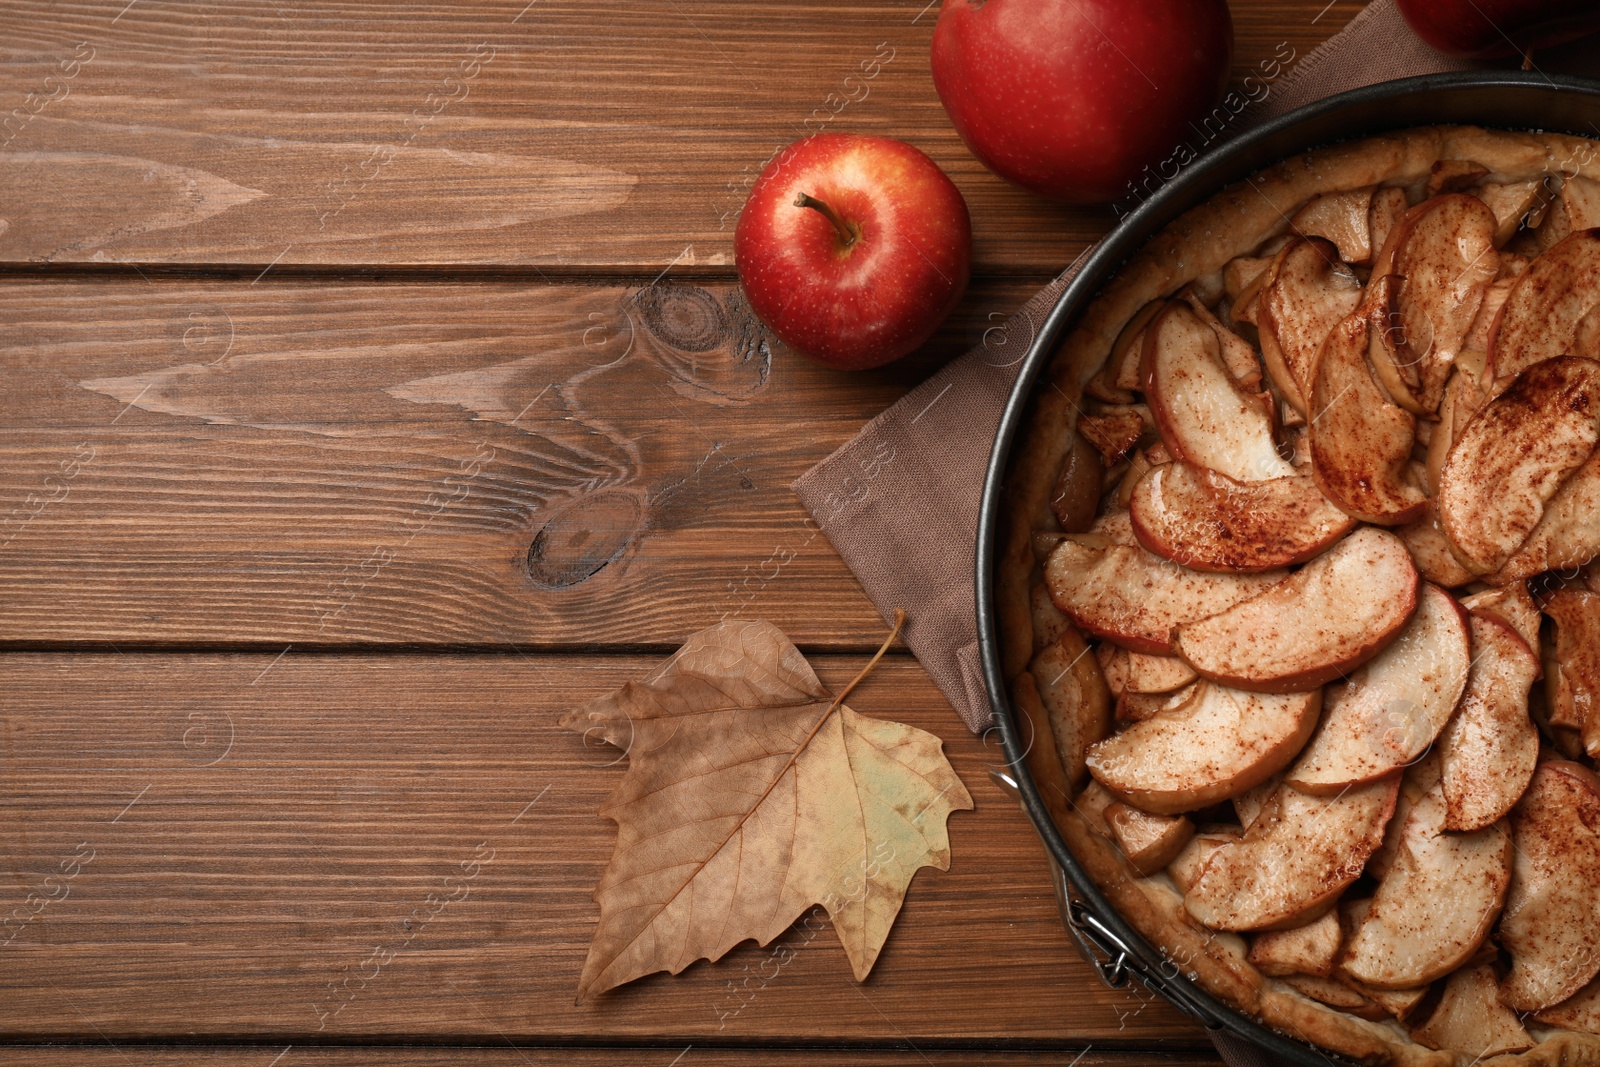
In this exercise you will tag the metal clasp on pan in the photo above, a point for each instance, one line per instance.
(1094, 938)
(1099, 945)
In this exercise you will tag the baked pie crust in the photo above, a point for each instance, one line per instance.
(1198, 264)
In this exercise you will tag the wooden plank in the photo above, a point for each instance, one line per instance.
(452, 463)
(521, 1056)
(272, 849)
(559, 134)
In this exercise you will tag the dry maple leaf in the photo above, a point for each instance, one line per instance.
(752, 794)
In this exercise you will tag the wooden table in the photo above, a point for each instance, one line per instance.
(375, 389)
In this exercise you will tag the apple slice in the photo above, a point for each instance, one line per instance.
(1329, 617)
(1444, 254)
(1309, 949)
(1580, 1012)
(1119, 367)
(1389, 206)
(1112, 527)
(1580, 197)
(1091, 804)
(1240, 278)
(1410, 936)
(1514, 455)
(1400, 1003)
(1541, 317)
(1568, 534)
(1248, 805)
(1113, 661)
(1237, 354)
(1360, 442)
(1295, 859)
(1207, 521)
(1510, 202)
(1573, 686)
(1351, 996)
(1431, 550)
(1553, 907)
(1474, 357)
(1575, 208)
(1128, 350)
(1393, 707)
(1469, 1018)
(1135, 598)
(1452, 176)
(1345, 218)
(1473, 360)
(1566, 740)
(1546, 197)
(1247, 305)
(1204, 416)
(1185, 869)
(1397, 370)
(1157, 674)
(1512, 267)
(1113, 434)
(1148, 842)
(1219, 744)
(1488, 750)
(1463, 399)
(1137, 707)
(1048, 622)
(1335, 994)
(1311, 292)
(1076, 496)
(1045, 541)
(1417, 781)
(1113, 476)
(1138, 466)
(1511, 605)
(1353, 909)
(1075, 698)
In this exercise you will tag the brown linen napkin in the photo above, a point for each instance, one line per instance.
(899, 501)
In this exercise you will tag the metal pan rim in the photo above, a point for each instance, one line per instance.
(1503, 99)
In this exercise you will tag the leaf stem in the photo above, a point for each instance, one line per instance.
(899, 621)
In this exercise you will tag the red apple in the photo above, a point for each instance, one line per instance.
(853, 249)
(1482, 29)
(1074, 98)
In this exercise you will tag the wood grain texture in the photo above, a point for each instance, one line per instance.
(365, 846)
(555, 133)
(442, 463)
(522, 1056)
(457, 365)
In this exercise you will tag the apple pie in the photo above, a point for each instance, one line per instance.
(1298, 575)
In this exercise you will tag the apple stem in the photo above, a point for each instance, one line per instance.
(1527, 59)
(847, 233)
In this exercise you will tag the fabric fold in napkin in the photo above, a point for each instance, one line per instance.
(899, 501)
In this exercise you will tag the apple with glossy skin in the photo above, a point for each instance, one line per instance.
(1073, 98)
(853, 249)
(1485, 29)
